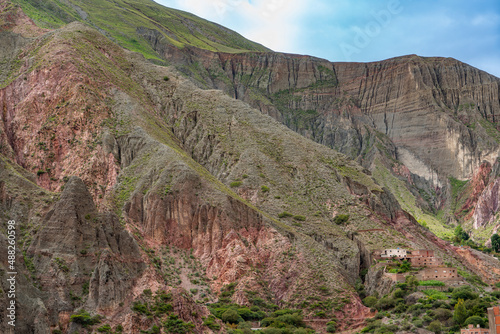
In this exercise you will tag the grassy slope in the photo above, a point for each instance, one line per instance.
(120, 19)
(408, 201)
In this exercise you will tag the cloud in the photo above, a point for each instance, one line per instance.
(269, 22)
(486, 20)
(447, 28)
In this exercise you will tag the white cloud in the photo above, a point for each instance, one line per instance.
(486, 20)
(272, 23)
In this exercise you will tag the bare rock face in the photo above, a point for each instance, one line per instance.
(488, 205)
(79, 246)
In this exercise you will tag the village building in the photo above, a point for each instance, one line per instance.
(394, 253)
(424, 261)
(438, 273)
(474, 330)
(494, 319)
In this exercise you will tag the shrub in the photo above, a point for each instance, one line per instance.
(299, 218)
(418, 323)
(140, 308)
(285, 214)
(235, 184)
(264, 189)
(294, 319)
(163, 308)
(435, 326)
(442, 314)
(210, 323)
(104, 329)
(61, 264)
(331, 327)
(464, 293)
(370, 301)
(340, 219)
(84, 318)
(385, 303)
(398, 293)
(176, 325)
(166, 78)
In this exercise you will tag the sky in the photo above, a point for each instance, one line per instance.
(363, 30)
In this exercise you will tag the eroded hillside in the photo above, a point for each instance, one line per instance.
(131, 186)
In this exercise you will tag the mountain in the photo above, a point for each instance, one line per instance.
(362, 110)
(135, 24)
(150, 196)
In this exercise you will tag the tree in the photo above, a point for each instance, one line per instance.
(230, 316)
(460, 314)
(495, 242)
(405, 266)
(474, 320)
(435, 326)
(460, 234)
(412, 282)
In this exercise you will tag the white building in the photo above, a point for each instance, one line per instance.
(398, 253)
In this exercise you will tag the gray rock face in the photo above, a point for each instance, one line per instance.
(79, 246)
(375, 282)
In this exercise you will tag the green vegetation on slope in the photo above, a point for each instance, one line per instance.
(122, 20)
(438, 311)
(408, 201)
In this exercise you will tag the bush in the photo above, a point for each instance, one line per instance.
(176, 325)
(398, 293)
(385, 303)
(140, 308)
(299, 218)
(435, 326)
(85, 319)
(264, 189)
(331, 327)
(210, 323)
(166, 78)
(291, 319)
(104, 329)
(340, 219)
(418, 323)
(285, 214)
(442, 314)
(370, 301)
(235, 184)
(464, 292)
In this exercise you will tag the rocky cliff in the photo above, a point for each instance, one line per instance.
(437, 117)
